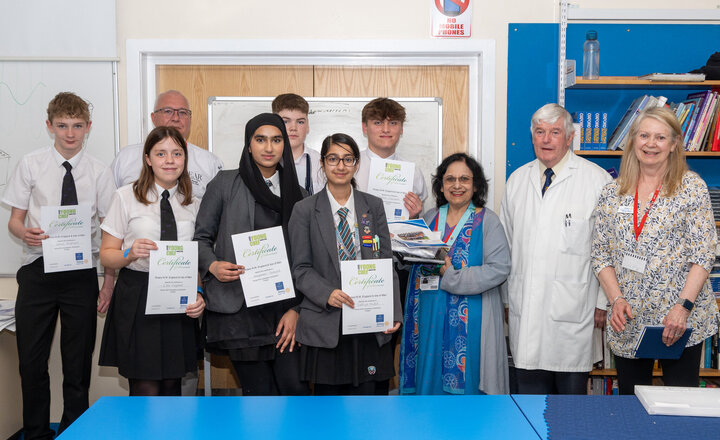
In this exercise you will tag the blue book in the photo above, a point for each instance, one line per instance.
(650, 345)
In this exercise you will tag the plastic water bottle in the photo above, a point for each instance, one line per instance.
(591, 56)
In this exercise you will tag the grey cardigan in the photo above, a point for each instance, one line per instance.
(316, 266)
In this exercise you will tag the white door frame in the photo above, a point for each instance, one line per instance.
(144, 55)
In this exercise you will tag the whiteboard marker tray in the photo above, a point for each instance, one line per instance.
(679, 401)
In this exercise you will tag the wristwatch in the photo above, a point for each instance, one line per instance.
(685, 303)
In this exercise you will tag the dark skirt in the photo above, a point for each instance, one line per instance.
(356, 359)
(148, 347)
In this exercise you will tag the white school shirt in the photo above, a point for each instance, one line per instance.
(37, 182)
(128, 219)
(351, 218)
(317, 176)
(202, 166)
(275, 180)
(363, 173)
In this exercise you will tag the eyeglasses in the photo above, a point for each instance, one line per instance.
(168, 112)
(450, 180)
(333, 160)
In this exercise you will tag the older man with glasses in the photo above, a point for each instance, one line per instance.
(171, 109)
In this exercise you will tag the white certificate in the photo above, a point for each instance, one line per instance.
(391, 180)
(267, 275)
(68, 246)
(173, 277)
(370, 284)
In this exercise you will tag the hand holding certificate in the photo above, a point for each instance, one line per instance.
(370, 285)
(267, 275)
(391, 180)
(68, 246)
(173, 274)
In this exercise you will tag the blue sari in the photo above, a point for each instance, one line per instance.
(440, 349)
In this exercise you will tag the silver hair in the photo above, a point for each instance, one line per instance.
(550, 113)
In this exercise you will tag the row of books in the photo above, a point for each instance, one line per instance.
(698, 116)
(590, 130)
(602, 386)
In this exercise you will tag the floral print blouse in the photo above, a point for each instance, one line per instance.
(679, 231)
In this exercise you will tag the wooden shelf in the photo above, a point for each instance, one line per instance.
(618, 153)
(633, 81)
(704, 372)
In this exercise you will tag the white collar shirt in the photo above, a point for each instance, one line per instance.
(37, 182)
(351, 218)
(317, 176)
(128, 219)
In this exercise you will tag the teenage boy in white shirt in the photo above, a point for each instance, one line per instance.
(294, 109)
(382, 123)
(41, 179)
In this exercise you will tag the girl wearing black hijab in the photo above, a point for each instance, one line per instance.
(260, 341)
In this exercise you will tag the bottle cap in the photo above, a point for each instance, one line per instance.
(591, 35)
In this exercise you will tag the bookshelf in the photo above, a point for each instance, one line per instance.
(704, 372)
(605, 82)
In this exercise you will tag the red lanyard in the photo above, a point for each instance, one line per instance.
(638, 228)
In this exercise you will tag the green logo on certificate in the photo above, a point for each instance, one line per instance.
(172, 250)
(256, 239)
(392, 167)
(363, 269)
(65, 213)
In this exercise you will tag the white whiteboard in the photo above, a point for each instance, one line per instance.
(421, 141)
(26, 88)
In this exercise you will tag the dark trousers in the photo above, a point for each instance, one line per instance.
(550, 382)
(277, 377)
(371, 388)
(40, 297)
(683, 372)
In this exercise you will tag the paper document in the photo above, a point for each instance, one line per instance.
(370, 284)
(267, 276)
(679, 401)
(173, 277)
(68, 246)
(391, 180)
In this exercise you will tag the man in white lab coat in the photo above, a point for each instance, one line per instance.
(554, 298)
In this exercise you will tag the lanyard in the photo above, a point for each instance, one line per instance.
(638, 228)
(442, 219)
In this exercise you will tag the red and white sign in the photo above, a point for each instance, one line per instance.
(451, 18)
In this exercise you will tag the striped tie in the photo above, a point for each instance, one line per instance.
(347, 251)
(548, 178)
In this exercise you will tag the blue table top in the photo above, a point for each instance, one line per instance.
(346, 417)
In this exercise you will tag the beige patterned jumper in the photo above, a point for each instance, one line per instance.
(679, 230)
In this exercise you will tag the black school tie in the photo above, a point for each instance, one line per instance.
(168, 228)
(69, 194)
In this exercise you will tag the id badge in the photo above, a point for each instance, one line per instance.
(625, 209)
(634, 262)
(430, 283)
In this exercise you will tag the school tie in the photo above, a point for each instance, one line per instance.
(69, 194)
(268, 183)
(308, 180)
(348, 251)
(168, 228)
(548, 178)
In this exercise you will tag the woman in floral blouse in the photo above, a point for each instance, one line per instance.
(653, 248)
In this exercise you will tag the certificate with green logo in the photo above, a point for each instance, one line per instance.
(370, 284)
(173, 277)
(391, 180)
(68, 246)
(267, 275)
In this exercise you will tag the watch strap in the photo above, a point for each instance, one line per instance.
(686, 303)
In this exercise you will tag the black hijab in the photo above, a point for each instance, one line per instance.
(254, 180)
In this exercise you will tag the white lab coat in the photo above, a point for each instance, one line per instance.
(552, 291)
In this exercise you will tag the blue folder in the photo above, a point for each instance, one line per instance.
(651, 346)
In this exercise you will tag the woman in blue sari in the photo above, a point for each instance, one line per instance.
(453, 341)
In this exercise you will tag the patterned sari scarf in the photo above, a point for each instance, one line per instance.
(464, 251)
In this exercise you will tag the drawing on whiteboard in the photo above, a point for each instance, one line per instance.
(4, 167)
(14, 98)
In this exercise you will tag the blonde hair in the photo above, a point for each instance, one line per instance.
(676, 166)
